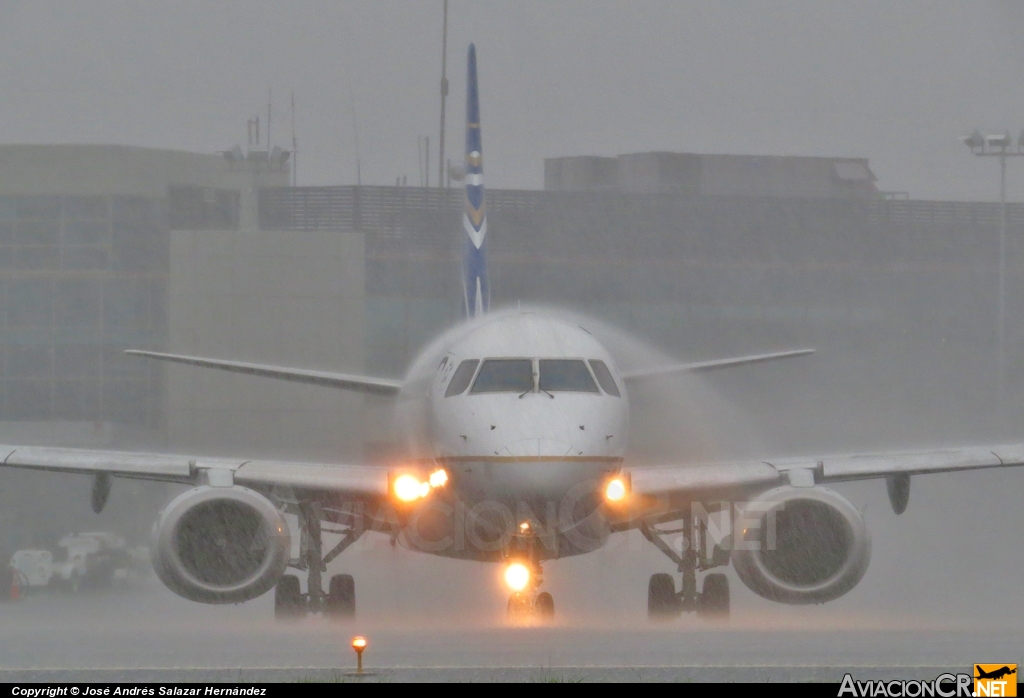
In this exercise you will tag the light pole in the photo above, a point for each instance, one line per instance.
(998, 146)
(444, 94)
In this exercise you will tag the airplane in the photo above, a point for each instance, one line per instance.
(518, 422)
(994, 674)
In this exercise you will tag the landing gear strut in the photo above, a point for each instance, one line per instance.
(525, 602)
(528, 603)
(663, 601)
(340, 600)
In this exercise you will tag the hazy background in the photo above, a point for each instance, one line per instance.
(898, 83)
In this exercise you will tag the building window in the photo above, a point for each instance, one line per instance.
(86, 232)
(30, 303)
(203, 208)
(37, 207)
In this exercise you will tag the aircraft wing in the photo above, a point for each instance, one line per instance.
(364, 384)
(713, 364)
(726, 479)
(354, 480)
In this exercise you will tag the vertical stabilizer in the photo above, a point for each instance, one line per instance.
(474, 220)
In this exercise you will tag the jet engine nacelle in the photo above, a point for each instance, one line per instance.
(801, 545)
(220, 545)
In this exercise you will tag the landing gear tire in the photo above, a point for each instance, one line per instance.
(662, 602)
(519, 606)
(522, 608)
(341, 597)
(714, 598)
(544, 606)
(288, 601)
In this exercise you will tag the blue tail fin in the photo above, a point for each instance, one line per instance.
(474, 260)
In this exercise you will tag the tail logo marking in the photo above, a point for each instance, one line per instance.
(474, 220)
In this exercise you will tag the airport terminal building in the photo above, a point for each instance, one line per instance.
(104, 248)
(85, 272)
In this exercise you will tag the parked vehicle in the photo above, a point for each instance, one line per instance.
(93, 559)
(30, 569)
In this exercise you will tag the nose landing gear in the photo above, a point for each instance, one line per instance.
(663, 601)
(524, 575)
(526, 603)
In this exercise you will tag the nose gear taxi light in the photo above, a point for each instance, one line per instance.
(517, 576)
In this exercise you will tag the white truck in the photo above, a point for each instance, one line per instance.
(94, 559)
(32, 569)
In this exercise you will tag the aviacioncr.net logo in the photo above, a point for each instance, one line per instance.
(995, 680)
(944, 686)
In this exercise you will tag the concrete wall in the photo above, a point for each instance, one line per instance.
(294, 299)
(713, 175)
(106, 170)
(84, 274)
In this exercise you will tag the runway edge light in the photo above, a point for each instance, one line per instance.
(359, 644)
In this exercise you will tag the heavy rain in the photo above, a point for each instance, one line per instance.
(288, 187)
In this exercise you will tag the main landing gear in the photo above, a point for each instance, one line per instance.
(663, 601)
(340, 600)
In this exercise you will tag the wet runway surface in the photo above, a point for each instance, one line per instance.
(148, 634)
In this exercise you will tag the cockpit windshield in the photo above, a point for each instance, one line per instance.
(566, 375)
(504, 376)
(604, 377)
(463, 375)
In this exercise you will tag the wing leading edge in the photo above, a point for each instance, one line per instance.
(665, 493)
(363, 384)
(354, 480)
(724, 477)
(698, 366)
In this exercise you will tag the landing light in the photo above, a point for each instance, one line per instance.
(438, 478)
(408, 488)
(615, 490)
(517, 576)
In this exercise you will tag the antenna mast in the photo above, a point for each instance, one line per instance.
(355, 132)
(295, 148)
(444, 94)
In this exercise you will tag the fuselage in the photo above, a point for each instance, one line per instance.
(528, 415)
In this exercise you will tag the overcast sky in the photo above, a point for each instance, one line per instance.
(896, 82)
